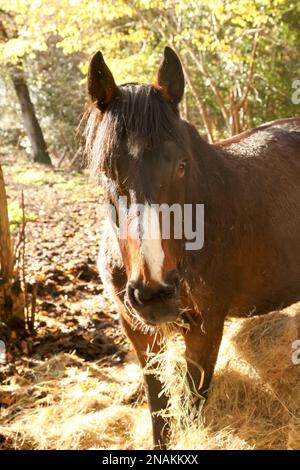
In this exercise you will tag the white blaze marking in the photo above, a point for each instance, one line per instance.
(151, 246)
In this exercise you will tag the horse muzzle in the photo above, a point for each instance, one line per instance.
(155, 304)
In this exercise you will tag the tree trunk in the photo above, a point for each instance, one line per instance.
(31, 124)
(6, 252)
(11, 295)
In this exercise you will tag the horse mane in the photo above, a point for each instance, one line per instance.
(138, 113)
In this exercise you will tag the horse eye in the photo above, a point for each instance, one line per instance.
(181, 169)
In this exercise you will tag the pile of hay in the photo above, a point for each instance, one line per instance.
(254, 403)
(69, 404)
(254, 400)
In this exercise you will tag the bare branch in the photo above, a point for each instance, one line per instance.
(250, 76)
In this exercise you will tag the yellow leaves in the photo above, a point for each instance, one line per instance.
(84, 67)
(12, 50)
(128, 33)
(23, 26)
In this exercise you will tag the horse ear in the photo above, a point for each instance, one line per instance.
(170, 78)
(101, 84)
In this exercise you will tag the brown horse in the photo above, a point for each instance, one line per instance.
(250, 188)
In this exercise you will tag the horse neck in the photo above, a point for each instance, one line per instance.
(213, 183)
(211, 180)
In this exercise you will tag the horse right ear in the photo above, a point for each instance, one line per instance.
(101, 84)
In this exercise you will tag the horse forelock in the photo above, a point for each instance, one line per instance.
(138, 114)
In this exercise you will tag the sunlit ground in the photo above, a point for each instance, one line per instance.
(68, 403)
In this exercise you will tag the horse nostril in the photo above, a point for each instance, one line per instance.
(168, 291)
(132, 292)
(136, 296)
(138, 293)
(141, 295)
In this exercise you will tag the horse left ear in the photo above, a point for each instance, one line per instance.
(101, 84)
(170, 78)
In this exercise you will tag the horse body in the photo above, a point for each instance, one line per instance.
(250, 261)
(251, 257)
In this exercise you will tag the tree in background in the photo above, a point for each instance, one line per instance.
(59, 89)
(31, 123)
(239, 57)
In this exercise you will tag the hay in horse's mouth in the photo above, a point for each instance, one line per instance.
(147, 327)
